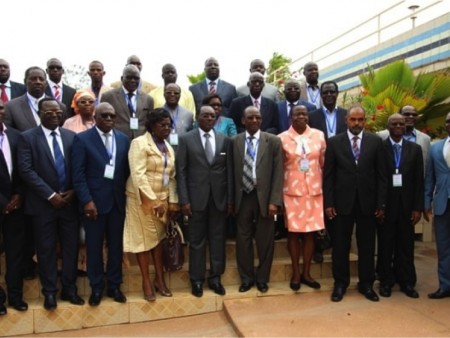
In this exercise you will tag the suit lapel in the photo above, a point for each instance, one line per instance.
(98, 143)
(120, 97)
(44, 145)
(240, 139)
(262, 146)
(28, 112)
(219, 143)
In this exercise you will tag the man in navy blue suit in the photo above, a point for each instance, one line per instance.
(100, 170)
(44, 165)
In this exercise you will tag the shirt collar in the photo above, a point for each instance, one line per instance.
(53, 84)
(101, 132)
(7, 84)
(350, 135)
(393, 142)
(256, 135)
(48, 132)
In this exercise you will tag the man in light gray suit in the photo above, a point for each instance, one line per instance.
(130, 103)
(269, 90)
(412, 134)
(258, 186)
(204, 178)
(213, 84)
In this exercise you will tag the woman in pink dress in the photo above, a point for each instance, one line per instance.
(303, 157)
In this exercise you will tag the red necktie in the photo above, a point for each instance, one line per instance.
(212, 87)
(256, 104)
(4, 97)
(57, 93)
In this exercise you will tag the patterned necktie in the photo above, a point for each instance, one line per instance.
(57, 94)
(355, 147)
(212, 87)
(4, 97)
(247, 177)
(59, 163)
(256, 104)
(208, 148)
(130, 103)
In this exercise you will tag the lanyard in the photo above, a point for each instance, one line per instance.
(331, 125)
(251, 150)
(111, 153)
(397, 157)
(311, 95)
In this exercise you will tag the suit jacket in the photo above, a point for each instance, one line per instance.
(144, 105)
(317, 121)
(422, 139)
(17, 89)
(145, 86)
(183, 120)
(68, 94)
(268, 109)
(225, 90)
(283, 113)
(409, 197)
(186, 99)
(345, 180)
(304, 94)
(437, 179)
(38, 171)
(103, 89)
(197, 180)
(269, 91)
(269, 171)
(10, 185)
(20, 116)
(89, 159)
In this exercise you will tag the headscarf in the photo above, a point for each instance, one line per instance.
(79, 94)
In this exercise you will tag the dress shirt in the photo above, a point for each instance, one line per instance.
(6, 149)
(33, 103)
(216, 81)
(330, 121)
(258, 100)
(8, 89)
(288, 106)
(112, 143)
(52, 85)
(412, 137)
(446, 146)
(256, 138)
(350, 137)
(133, 99)
(212, 139)
(313, 95)
(49, 137)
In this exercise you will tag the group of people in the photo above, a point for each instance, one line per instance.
(122, 163)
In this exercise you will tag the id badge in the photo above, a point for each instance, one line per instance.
(165, 179)
(304, 165)
(173, 139)
(134, 123)
(109, 172)
(397, 180)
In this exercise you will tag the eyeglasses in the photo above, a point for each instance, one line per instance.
(328, 92)
(54, 67)
(410, 114)
(51, 112)
(86, 102)
(108, 115)
(135, 63)
(129, 77)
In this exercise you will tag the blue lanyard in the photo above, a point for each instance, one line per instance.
(174, 115)
(331, 126)
(111, 153)
(397, 157)
(311, 92)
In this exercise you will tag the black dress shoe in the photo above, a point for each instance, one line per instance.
(295, 286)
(245, 287)
(439, 294)
(262, 287)
(117, 295)
(19, 305)
(95, 299)
(369, 294)
(73, 299)
(318, 257)
(197, 289)
(217, 288)
(311, 283)
(3, 309)
(409, 291)
(50, 302)
(385, 291)
(337, 294)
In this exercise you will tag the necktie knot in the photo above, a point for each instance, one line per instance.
(207, 135)
(212, 87)
(57, 93)
(2, 86)
(130, 95)
(4, 97)
(256, 103)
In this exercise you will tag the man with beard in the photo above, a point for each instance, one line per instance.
(310, 89)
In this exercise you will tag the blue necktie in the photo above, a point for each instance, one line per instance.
(130, 103)
(59, 163)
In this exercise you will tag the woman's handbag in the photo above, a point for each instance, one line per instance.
(323, 240)
(173, 252)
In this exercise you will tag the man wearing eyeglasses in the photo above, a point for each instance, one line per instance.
(100, 170)
(56, 88)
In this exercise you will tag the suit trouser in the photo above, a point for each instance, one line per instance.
(396, 250)
(207, 226)
(251, 224)
(442, 230)
(342, 231)
(62, 225)
(110, 226)
(13, 226)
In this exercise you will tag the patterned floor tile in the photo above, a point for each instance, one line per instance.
(63, 318)
(107, 313)
(15, 323)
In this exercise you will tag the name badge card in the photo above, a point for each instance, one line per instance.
(134, 124)
(397, 180)
(165, 179)
(304, 164)
(109, 172)
(173, 139)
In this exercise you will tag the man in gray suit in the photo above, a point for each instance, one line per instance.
(130, 103)
(204, 177)
(258, 185)
(269, 90)
(213, 84)
(310, 90)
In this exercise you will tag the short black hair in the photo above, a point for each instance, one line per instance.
(156, 116)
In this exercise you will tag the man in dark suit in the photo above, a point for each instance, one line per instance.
(56, 88)
(404, 207)
(44, 165)
(11, 217)
(355, 186)
(100, 170)
(10, 88)
(437, 191)
(22, 112)
(204, 178)
(330, 119)
(267, 107)
(258, 186)
(310, 90)
(213, 84)
(131, 105)
(292, 93)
